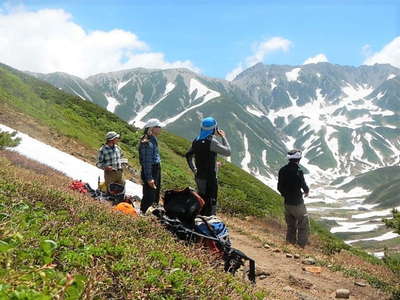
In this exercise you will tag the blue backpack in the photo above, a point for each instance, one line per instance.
(212, 226)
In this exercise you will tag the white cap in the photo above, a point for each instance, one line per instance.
(153, 123)
(294, 154)
(111, 135)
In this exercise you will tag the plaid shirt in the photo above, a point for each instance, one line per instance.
(109, 156)
(149, 156)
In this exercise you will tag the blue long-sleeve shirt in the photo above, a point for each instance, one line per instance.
(149, 155)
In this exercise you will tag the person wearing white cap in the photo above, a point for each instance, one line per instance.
(149, 157)
(291, 183)
(109, 159)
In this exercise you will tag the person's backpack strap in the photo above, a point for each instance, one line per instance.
(210, 228)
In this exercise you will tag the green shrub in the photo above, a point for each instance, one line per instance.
(394, 223)
(8, 139)
(393, 262)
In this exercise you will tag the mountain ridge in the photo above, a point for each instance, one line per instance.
(168, 93)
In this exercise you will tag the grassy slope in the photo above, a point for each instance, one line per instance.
(58, 243)
(86, 123)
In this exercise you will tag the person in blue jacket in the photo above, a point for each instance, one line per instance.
(149, 157)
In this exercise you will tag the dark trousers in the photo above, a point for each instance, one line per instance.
(151, 196)
(208, 190)
(297, 224)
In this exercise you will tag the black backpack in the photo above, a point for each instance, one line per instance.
(183, 205)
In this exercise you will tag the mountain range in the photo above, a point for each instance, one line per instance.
(345, 119)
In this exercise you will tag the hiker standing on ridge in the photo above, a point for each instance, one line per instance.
(290, 184)
(149, 157)
(109, 159)
(204, 149)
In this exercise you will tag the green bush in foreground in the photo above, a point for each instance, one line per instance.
(8, 139)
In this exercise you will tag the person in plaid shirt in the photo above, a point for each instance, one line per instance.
(109, 159)
(149, 157)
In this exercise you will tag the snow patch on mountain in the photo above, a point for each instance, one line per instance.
(380, 95)
(112, 103)
(293, 74)
(270, 181)
(354, 227)
(138, 118)
(202, 91)
(315, 112)
(356, 92)
(273, 84)
(122, 84)
(381, 213)
(254, 111)
(391, 76)
(86, 95)
(334, 218)
(264, 157)
(386, 236)
(247, 157)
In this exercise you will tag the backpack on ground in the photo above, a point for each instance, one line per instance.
(116, 193)
(212, 226)
(215, 238)
(183, 205)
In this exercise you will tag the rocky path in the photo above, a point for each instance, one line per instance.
(289, 272)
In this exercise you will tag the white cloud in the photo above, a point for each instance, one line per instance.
(260, 51)
(390, 54)
(48, 41)
(316, 59)
(366, 50)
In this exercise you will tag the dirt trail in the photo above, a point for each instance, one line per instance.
(286, 278)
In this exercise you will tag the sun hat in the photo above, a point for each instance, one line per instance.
(208, 126)
(153, 123)
(111, 135)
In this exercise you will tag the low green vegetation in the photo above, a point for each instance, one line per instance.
(394, 223)
(8, 140)
(393, 259)
(58, 244)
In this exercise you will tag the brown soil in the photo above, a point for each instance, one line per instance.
(287, 279)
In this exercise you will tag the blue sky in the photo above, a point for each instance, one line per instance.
(210, 37)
